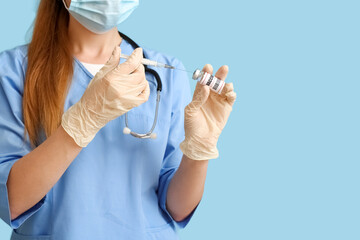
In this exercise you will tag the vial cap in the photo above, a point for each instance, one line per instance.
(196, 74)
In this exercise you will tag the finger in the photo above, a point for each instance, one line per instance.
(146, 92)
(140, 69)
(228, 88)
(201, 92)
(208, 68)
(112, 63)
(132, 63)
(222, 73)
(231, 97)
(138, 76)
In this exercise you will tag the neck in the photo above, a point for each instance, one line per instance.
(90, 47)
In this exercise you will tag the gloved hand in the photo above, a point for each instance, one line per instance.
(115, 90)
(206, 117)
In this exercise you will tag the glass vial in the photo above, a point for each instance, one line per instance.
(207, 79)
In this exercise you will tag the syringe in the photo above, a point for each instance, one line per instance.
(150, 62)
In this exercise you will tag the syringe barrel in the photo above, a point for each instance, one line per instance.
(145, 61)
(149, 62)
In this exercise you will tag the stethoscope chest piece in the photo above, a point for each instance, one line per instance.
(149, 134)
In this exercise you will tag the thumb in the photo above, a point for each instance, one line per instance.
(201, 95)
(112, 63)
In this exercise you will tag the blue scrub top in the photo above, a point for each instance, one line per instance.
(116, 187)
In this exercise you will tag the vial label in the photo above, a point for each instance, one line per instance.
(207, 79)
(210, 80)
(217, 84)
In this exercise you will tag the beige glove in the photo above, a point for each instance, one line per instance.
(206, 117)
(115, 90)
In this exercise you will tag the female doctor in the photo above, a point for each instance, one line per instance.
(66, 169)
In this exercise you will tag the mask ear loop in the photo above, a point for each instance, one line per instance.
(65, 5)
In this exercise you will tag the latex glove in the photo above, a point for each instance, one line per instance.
(206, 117)
(115, 90)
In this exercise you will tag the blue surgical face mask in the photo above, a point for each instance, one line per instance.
(100, 16)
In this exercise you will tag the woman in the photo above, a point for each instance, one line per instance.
(66, 169)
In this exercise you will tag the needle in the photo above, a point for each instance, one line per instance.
(182, 70)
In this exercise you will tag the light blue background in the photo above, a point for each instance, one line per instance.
(289, 166)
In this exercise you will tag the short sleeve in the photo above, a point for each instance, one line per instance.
(173, 155)
(13, 146)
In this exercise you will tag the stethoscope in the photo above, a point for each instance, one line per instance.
(127, 129)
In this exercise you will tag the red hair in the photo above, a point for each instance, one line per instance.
(50, 65)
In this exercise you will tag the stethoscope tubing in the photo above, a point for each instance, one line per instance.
(149, 134)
